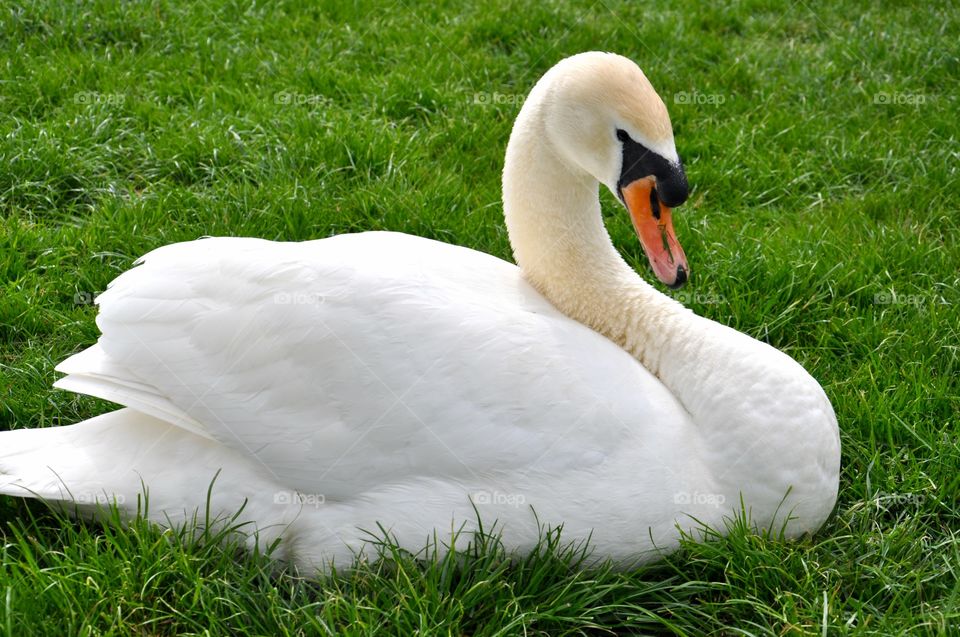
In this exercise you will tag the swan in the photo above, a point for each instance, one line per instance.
(330, 388)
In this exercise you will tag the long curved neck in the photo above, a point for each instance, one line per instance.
(765, 427)
(750, 402)
(559, 241)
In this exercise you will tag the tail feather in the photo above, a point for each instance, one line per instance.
(141, 465)
(113, 457)
(93, 373)
(72, 463)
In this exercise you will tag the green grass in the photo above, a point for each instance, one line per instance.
(821, 142)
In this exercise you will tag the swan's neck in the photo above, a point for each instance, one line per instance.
(765, 426)
(561, 244)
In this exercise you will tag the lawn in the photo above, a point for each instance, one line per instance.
(822, 144)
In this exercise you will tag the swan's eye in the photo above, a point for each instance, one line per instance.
(622, 135)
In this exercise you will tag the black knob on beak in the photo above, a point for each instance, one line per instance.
(672, 188)
(639, 162)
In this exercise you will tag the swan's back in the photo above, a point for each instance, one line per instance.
(358, 361)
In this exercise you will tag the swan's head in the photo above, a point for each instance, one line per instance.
(602, 116)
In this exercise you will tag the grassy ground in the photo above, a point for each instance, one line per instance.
(821, 142)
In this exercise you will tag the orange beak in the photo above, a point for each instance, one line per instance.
(654, 225)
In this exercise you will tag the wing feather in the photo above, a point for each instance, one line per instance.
(361, 360)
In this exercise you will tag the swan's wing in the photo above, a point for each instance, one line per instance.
(362, 360)
(94, 373)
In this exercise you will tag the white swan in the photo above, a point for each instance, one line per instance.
(385, 378)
